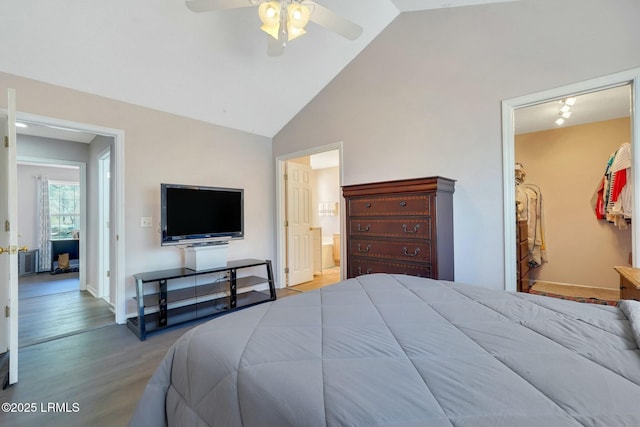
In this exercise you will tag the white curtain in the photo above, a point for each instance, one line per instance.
(44, 224)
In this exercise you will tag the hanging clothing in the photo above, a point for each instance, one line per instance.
(612, 200)
(530, 205)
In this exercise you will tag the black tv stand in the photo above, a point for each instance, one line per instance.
(177, 296)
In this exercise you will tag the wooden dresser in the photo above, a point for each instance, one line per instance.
(401, 226)
(522, 252)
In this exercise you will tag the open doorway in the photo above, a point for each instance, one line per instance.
(564, 152)
(58, 185)
(517, 148)
(309, 200)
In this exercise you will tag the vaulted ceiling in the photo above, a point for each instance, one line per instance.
(208, 66)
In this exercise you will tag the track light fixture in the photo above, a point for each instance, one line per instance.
(565, 109)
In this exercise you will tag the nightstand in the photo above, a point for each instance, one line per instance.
(629, 282)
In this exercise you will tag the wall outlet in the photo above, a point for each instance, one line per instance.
(146, 221)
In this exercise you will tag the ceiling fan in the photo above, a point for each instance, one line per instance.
(284, 20)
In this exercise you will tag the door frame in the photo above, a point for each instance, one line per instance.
(629, 77)
(117, 156)
(281, 235)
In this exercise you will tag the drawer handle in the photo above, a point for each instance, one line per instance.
(403, 203)
(415, 228)
(368, 205)
(364, 229)
(364, 250)
(360, 271)
(415, 252)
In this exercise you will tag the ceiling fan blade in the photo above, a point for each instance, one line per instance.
(274, 47)
(207, 5)
(331, 21)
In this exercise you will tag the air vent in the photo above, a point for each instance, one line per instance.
(28, 262)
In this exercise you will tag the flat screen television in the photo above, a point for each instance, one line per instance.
(199, 215)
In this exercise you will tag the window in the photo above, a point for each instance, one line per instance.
(64, 209)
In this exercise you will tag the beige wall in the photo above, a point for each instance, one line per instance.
(424, 98)
(161, 147)
(567, 164)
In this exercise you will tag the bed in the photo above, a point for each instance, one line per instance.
(395, 350)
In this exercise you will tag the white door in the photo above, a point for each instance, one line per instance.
(9, 240)
(104, 167)
(299, 237)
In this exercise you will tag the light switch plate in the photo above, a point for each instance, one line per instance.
(146, 221)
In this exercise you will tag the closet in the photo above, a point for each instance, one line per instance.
(565, 166)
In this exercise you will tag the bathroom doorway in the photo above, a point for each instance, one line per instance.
(309, 194)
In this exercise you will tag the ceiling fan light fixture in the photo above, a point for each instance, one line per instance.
(269, 13)
(297, 17)
(294, 32)
(271, 30)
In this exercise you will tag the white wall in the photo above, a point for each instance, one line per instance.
(326, 188)
(53, 149)
(28, 222)
(424, 99)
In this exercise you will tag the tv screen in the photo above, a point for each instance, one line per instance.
(198, 214)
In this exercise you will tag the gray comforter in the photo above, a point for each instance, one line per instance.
(393, 350)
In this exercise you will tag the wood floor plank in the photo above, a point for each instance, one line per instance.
(577, 291)
(47, 317)
(329, 276)
(104, 371)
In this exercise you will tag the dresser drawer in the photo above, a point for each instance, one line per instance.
(414, 251)
(523, 267)
(523, 250)
(360, 266)
(523, 229)
(410, 228)
(410, 204)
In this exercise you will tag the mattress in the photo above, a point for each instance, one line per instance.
(395, 350)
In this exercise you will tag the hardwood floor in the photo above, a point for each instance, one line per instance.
(577, 291)
(51, 306)
(42, 284)
(104, 371)
(53, 316)
(329, 276)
